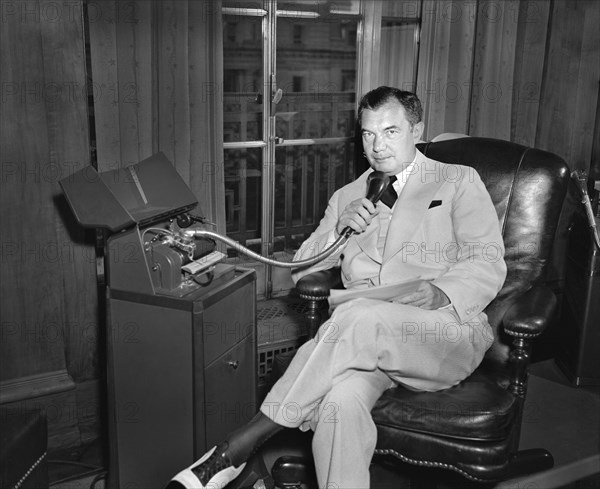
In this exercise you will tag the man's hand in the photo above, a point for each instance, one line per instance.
(358, 215)
(427, 296)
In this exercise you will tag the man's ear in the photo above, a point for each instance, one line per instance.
(417, 131)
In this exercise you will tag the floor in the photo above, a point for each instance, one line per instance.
(564, 420)
(558, 417)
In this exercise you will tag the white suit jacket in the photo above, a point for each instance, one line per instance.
(444, 228)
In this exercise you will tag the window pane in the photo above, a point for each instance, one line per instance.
(243, 190)
(245, 5)
(305, 178)
(402, 8)
(316, 69)
(305, 115)
(322, 7)
(242, 78)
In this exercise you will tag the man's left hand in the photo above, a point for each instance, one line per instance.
(427, 296)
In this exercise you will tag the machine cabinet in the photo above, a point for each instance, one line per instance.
(181, 324)
(182, 374)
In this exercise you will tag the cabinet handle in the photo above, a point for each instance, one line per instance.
(234, 364)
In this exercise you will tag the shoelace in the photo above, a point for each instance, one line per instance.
(218, 461)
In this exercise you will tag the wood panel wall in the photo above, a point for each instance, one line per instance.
(48, 299)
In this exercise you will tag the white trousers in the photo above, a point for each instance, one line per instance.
(366, 347)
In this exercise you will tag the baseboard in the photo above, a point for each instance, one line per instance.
(33, 386)
(73, 411)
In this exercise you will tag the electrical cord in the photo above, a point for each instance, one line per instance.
(97, 479)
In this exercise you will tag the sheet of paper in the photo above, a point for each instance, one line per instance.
(381, 292)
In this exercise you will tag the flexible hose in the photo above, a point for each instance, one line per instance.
(202, 233)
(377, 183)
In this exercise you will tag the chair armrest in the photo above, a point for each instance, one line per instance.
(530, 314)
(314, 288)
(316, 285)
(527, 318)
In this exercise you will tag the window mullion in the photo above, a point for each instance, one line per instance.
(268, 168)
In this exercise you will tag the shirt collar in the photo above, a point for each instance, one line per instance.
(404, 174)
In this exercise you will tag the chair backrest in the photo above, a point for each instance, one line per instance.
(527, 187)
(448, 135)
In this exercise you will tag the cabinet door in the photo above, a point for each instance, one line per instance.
(228, 318)
(230, 391)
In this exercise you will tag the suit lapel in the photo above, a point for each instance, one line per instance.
(412, 204)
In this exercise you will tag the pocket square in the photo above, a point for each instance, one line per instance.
(435, 203)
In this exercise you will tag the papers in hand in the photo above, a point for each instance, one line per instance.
(388, 292)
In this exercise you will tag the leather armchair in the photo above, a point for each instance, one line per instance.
(474, 427)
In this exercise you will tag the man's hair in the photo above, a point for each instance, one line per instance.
(381, 95)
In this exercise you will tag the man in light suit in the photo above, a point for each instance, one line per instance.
(443, 230)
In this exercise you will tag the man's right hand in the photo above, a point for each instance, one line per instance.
(357, 215)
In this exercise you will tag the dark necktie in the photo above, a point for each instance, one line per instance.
(390, 195)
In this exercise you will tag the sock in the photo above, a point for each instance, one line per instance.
(245, 440)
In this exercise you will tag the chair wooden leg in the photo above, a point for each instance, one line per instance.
(519, 362)
(313, 315)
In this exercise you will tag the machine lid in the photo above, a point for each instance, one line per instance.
(139, 194)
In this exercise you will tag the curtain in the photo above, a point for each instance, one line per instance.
(444, 75)
(398, 48)
(156, 70)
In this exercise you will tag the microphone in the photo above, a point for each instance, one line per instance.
(377, 184)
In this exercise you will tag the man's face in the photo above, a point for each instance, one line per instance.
(388, 139)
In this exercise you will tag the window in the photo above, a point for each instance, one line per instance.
(297, 34)
(288, 118)
(289, 110)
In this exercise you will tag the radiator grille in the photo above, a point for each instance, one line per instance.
(281, 328)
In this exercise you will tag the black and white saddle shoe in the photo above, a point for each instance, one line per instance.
(213, 471)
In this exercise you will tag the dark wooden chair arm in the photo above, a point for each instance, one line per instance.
(315, 289)
(525, 320)
(530, 314)
(316, 286)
